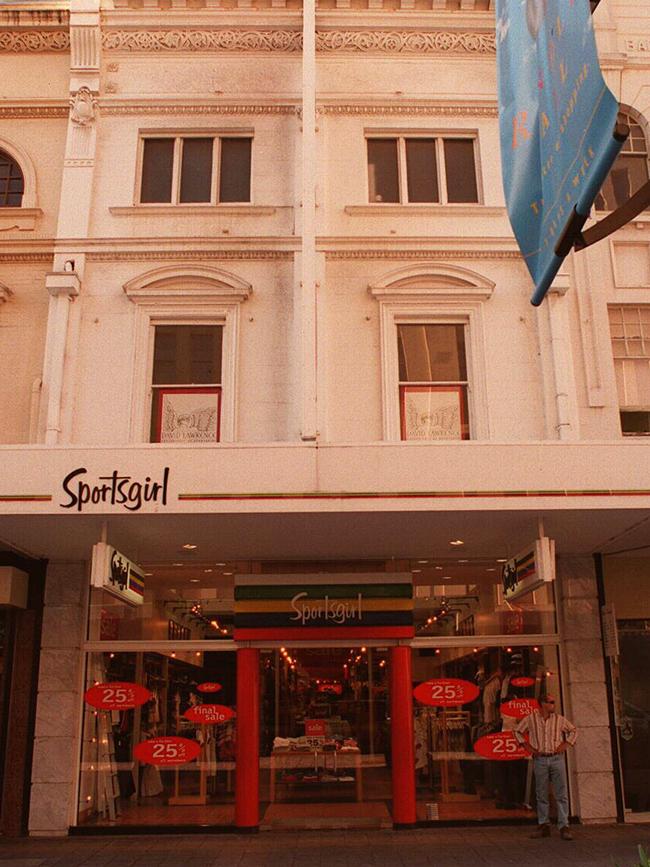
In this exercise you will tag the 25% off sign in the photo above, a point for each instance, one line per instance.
(446, 692)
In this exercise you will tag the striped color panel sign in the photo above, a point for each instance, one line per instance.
(294, 607)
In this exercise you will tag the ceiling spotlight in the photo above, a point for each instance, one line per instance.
(177, 564)
(227, 573)
(148, 574)
(189, 547)
(423, 561)
(416, 571)
(502, 560)
(490, 569)
(194, 580)
(456, 543)
(463, 561)
(446, 577)
(219, 564)
(207, 570)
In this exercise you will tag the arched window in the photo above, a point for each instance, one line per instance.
(12, 183)
(630, 170)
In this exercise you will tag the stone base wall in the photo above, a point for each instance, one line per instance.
(56, 742)
(586, 689)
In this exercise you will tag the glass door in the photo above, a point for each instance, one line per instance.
(634, 728)
(325, 738)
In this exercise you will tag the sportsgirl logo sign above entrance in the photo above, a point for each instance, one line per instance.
(115, 489)
(351, 605)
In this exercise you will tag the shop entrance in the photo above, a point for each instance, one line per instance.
(325, 737)
(634, 728)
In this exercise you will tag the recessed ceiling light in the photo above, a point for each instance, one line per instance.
(148, 574)
(415, 571)
(207, 570)
(463, 561)
(446, 577)
(456, 542)
(177, 564)
(194, 580)
(502, 560)
(490, 569)
(219, 564)
(189, 547)
(227, 573)
(423, 561)
(438, 567)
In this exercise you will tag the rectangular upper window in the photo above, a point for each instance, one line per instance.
(433, 381)
(629, 327)
(421, 169)
(186, 383)
(195, 169)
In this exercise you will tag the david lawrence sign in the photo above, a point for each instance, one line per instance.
(284, 607)
(116, 489)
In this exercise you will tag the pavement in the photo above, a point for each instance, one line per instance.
(593, 845)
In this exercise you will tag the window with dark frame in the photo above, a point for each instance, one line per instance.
(196, 170)
(630, 169)
(433, 381)
(629, 327)
(187, 367)
(12, 182)
(421, 169)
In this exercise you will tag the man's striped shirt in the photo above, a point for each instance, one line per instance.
(546, 736)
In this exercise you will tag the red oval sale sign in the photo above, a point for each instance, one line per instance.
(116, 696)
(446, 692)
(500, 747)
(209, 687)
(167, 751)
(522, 681)
(209, 714)
(519, 707)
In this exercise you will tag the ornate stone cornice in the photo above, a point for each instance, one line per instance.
(186, 255)
(34, 40)
(199, 109)
(406, 109)
(26, 257)
(422, 254)
(289, 41)
(32, 111)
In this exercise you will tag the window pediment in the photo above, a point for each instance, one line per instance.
(173, 284)
(432, 280)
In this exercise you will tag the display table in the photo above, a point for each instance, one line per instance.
(311, 760)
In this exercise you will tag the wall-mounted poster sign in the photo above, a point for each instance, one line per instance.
(167, 751)
(519, 707)
(433, 412)
(209, 714)
(114, 572)
(188, 415)
(500, 747)
(285, 607)
(209, 686)
(446, 692)
(118, 695)
(530, 569)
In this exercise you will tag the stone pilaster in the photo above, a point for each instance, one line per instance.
(586, 688)
(58, 708)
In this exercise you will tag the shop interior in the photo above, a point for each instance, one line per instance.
(325, 718)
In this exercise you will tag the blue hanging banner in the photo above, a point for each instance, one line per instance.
(557, 120)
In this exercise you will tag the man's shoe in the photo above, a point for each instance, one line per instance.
(565, 834)
(542, 831)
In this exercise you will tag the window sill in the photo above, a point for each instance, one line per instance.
(424, 210)
(23, 219)
(194, 210)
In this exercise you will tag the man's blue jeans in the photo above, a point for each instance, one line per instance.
(551, 769)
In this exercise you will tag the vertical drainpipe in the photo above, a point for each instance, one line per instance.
(308, 286)
(567, 423)
(62, 287)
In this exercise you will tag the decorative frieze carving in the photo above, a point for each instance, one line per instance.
(82, 107)
(26, 257)
(202, 40)
(34, 40)
(364, 41)
(412, 110)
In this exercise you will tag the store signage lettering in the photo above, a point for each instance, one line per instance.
(519, 707)
(328, 609)
(500, 747)
(117, 695)
(167, 751)
(446, 692)
(113, 490)
(522, 681)
(209, 714)
(209, 686)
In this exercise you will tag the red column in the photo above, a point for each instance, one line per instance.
(402, 750)
(247, 778)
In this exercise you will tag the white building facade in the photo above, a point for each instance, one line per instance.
(262, 314)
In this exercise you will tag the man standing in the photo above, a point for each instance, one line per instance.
(549, 736)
